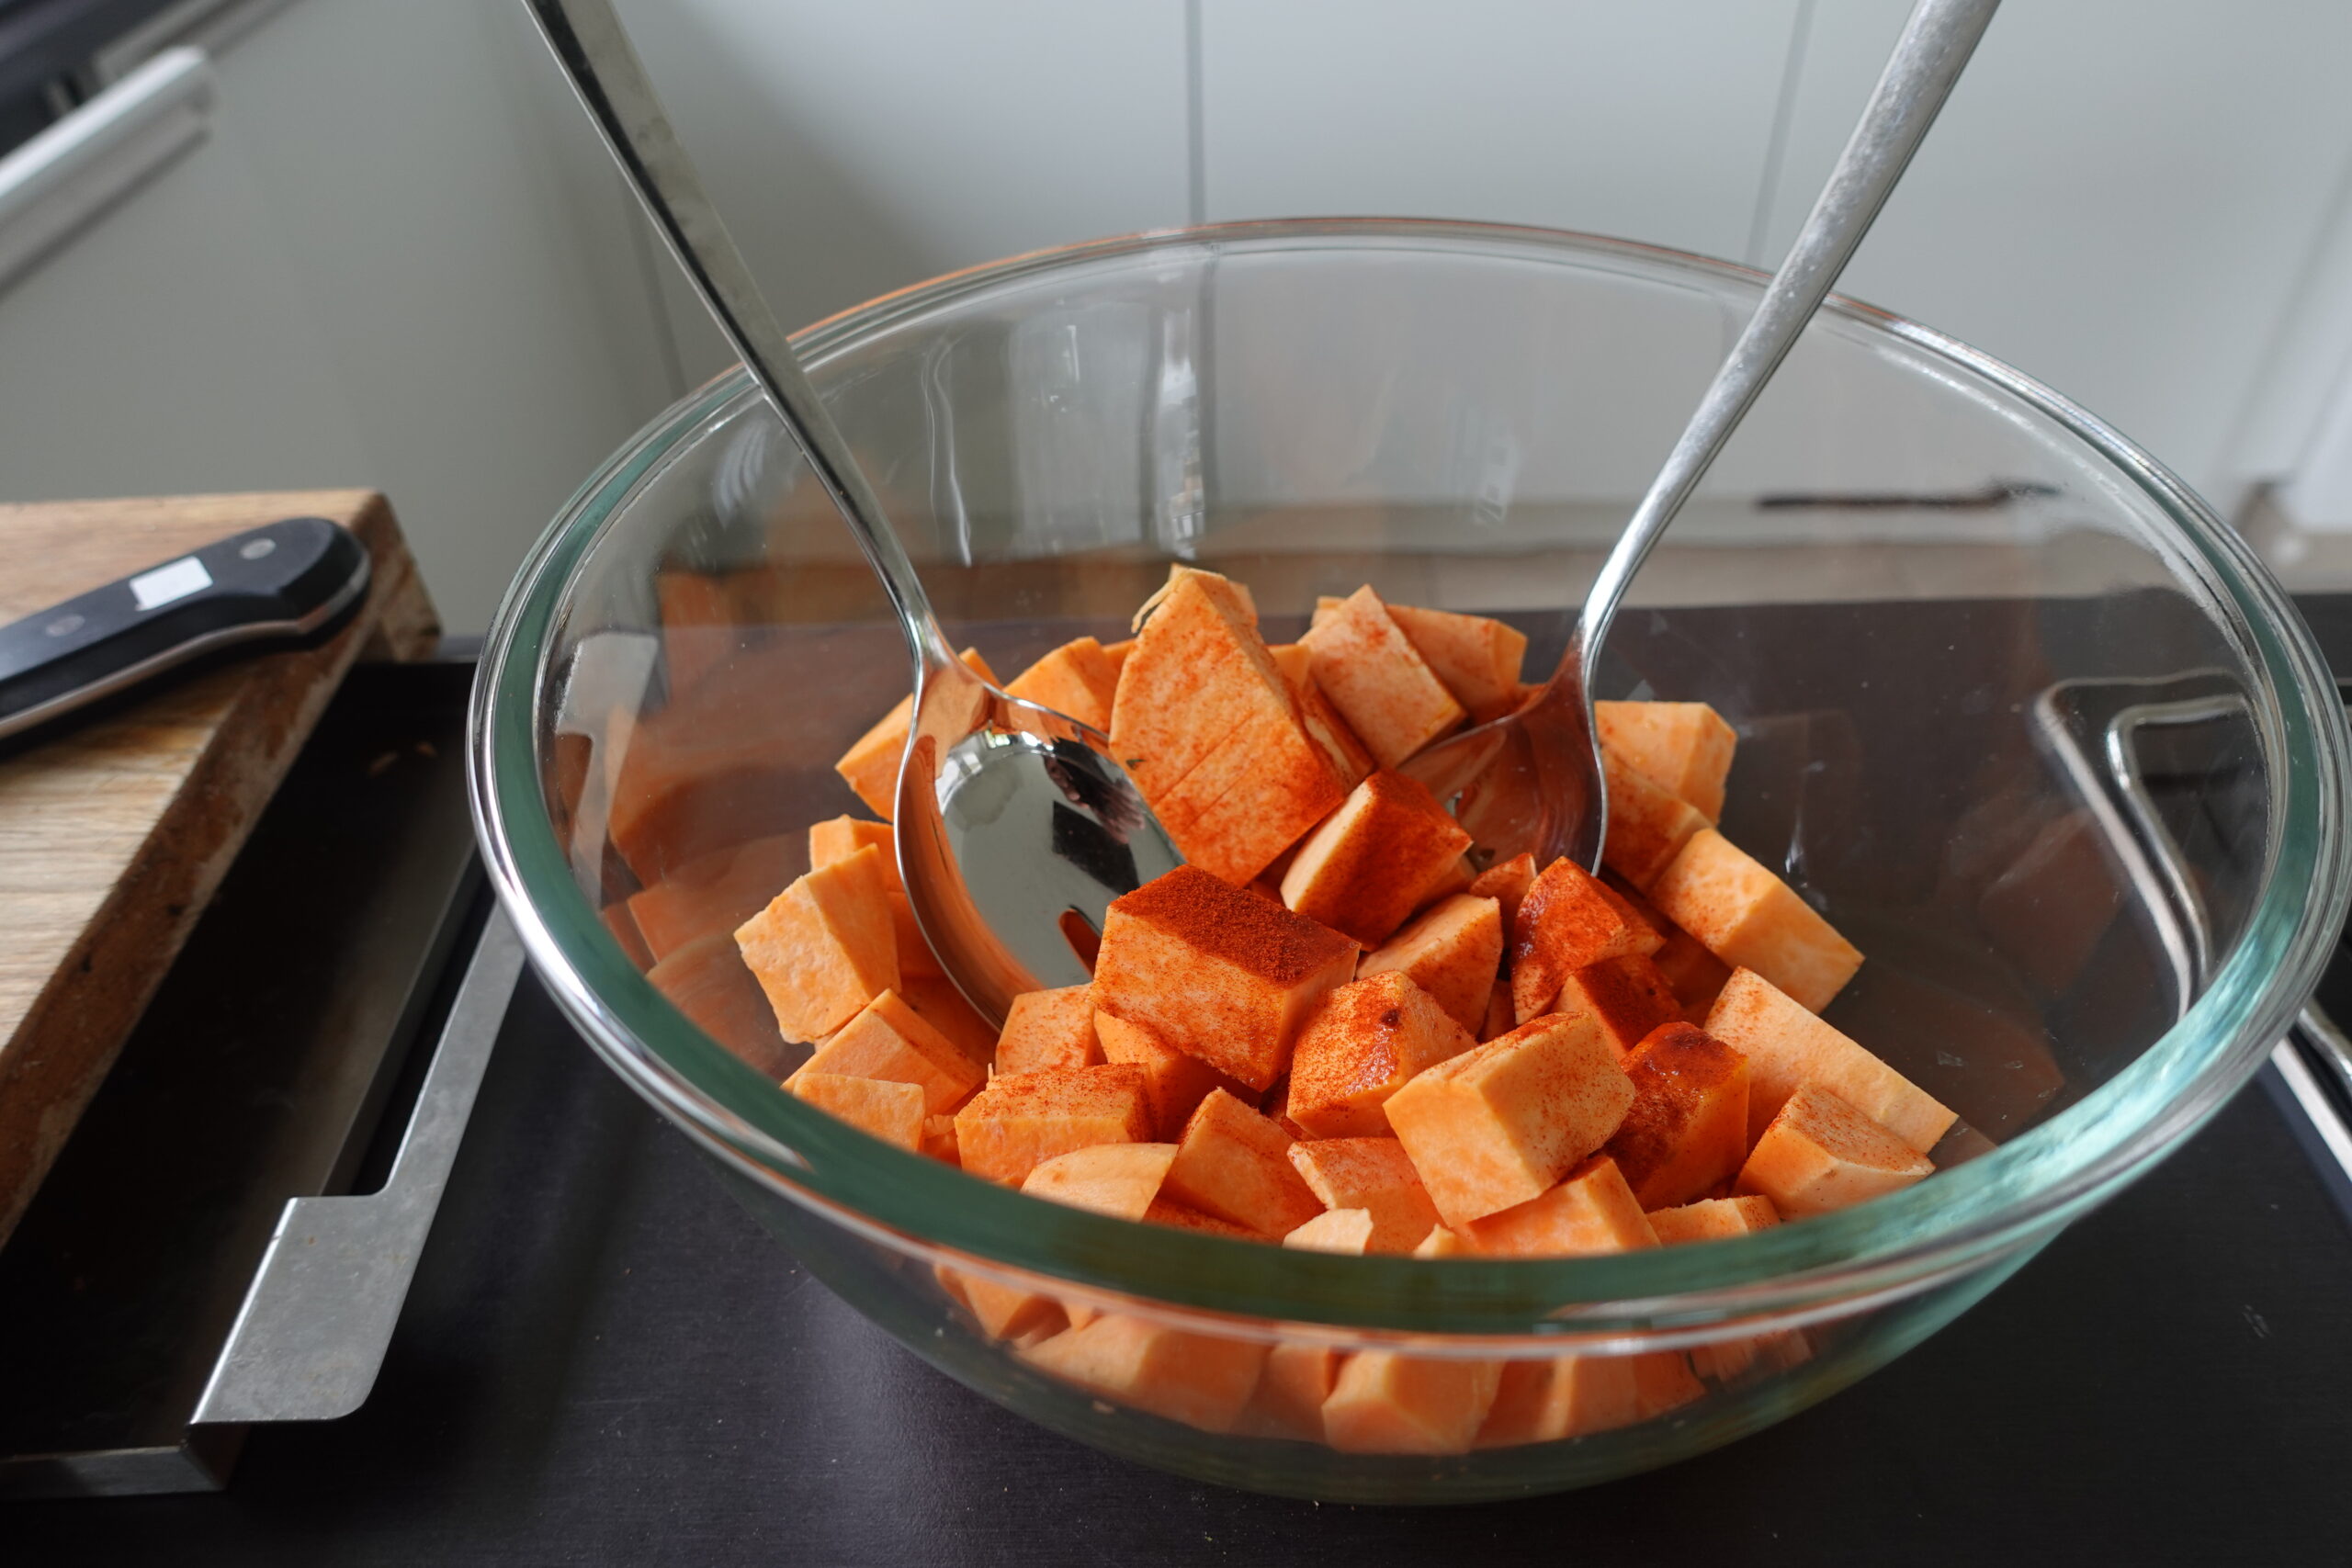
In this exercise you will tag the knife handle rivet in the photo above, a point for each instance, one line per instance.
(64, 626)
(254, 549)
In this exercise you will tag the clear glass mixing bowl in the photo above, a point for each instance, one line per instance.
(2017, 711)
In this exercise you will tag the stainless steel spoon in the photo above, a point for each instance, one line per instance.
(1014, 825)
(1532, 780)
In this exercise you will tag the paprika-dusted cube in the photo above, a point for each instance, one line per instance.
(1118, 1179)
(1049, 1029)
(1507, 883)
(1450, 950)
(1786, 1045)
(1687, 1130)
(1202, 1380)
(1371, 863)
(1345, 1231)
(1591, 1211)
(1684, 747)
(823, 947)
(1385, 1401)
(890, 1112)
(1713, 1219)
(842, 836)
(1477, 656)
(1752, 920)
(1218, 973)
(1820, 1155)
(1077, 678)
(1382, 686)
(1198, 673)
(870, 767)
(1264, 785)
(1362, 1043)
(889, 1040)
(1568, 920)
(1234, 1164)
(1627, 997)
(1648, 824)
(1021, 1120)
(717, 892)
(1499, 1124)
(1175, 1082)
(1375, 1176)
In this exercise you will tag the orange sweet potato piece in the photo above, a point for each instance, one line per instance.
(1199, 672)
(1752, 920)
(1003, 1312)
(823, 947)
(1049, 1029)
(1375, 1176)
(1385, 1402)
(1592, 1211)
(1501, 1016)
(1373, 862)
(1362, 1043)
(1451, 949)
(1021, 1120)
(707, 981)
(1687, 1130)
(1176, 1083)
(1627, 997)
(713, 768)
(943, 1007)
(1569, 920)
(1234, 1164)
(1202, 1380)
(1116, 652)
(890, 1112)
(1686, 747)
(1263, 786)
(1077, 678)
(1297, 1379)
(1820, 1153)
(1786, 1045)
(1477, 656)
(889, 1040)
(1218, 973)
(842, 836)
(1506, 881)
(1499, 1124)
(1713, 1219)
(1117, 1179)
(1347, 1231)
(1648, 824)
(870, 767)
(716, 893)
(1382, 686)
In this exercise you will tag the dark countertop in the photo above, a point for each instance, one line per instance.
(605, 1360)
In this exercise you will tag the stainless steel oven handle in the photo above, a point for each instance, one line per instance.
(310, 1337)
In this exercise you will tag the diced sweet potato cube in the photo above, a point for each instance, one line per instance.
(1077, 678)
(1291, 1391)
(1049, 1029)
(890, 1112)
(1387, 1403)
(1752, 920)
(1373, 861)
(1506, 881)
(1627, 997)
(1648, 824)
(939, 1139)
(1218, 973)
(889, 1040)
(1176, 1083)
(1234, 1164)
(1117, 1179)
(1003, 1312)
(1334, 1230)
(1199, 672)
(823, 947)
(1499, 1124)
(1821, 1154)
(1477, 656)
(870, 767)
(1593, 1210)
(1684, 747)
(1386, 691)
(1021, 1120)
(1570, 919)
(1375, 1176)
(1786, 1045)
(943, 1006)
(1252, 798)
(1687, 1130)
(707, 981)
(1202, 1380)
(1713, 1219)
(1361, 1044)
(842, 837)
(1184, 1217)
(1450, 950)
(1577, 1396)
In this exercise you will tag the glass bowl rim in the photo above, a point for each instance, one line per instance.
(2014, 1197)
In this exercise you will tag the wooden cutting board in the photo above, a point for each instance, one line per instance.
(115, 827)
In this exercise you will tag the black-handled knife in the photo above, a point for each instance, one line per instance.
(282, 580)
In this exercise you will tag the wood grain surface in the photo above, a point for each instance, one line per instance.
(116, 826)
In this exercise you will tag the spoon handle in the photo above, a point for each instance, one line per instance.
(595, 54)
(1936, 43)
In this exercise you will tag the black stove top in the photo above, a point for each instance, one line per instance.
(602, 1360)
